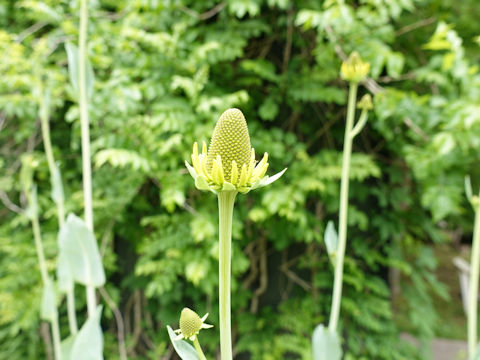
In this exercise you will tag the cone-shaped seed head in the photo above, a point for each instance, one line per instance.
(231, 141)
(190, 322)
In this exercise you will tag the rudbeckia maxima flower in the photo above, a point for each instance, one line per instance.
(229, 164)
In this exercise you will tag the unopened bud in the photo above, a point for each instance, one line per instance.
(354, 69)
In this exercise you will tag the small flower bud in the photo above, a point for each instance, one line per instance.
(365, 102)
(190, 323)
(475, 202)
(354, 69)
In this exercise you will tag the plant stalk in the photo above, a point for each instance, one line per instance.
(473, 288)
(198, 348)
(226, 201)
(44, 273)
(72, 316)
(47, 144)
(342, 236)
(85, 128)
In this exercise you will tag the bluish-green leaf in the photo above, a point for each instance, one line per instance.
(88, 343)
(74, 70)
(64, 273)
(331, 240)
(57, 186)
(477, 353)
(49, 305)
(325, 344)
(80, 249)
(66, 347)
(183, 349)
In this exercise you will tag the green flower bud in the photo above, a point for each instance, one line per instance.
(191, 324)
(354, 69)
(365, 102)
(231, 141)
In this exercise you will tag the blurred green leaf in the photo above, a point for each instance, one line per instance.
(80, 249)
(88, 343)
(49, 304)
(182, 348)
(331, 241)
(67, 346)
(74, 72)
(326, 345)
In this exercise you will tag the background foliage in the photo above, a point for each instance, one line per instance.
(164, 72)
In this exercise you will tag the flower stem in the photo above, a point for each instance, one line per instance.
(47, 144)
(43, 271)
(473, 288)
(200, 353)
(226, 200)
(342, 237)
(85, 128)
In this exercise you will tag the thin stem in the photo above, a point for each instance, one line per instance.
(473, 288)
(83, 103)
(72, 316)
(91, 300)
(39, 246)
(226, 200)
(362, 120)
(56, 337)
(120, 325)
(342, 236)
(44, 273)
(197, 346)
(54, 172)
(86, 161)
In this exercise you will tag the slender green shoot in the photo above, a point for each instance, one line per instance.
(44, 273)
(85, 128)
(56, 184)
(342, 236)
(472, 314)
(199, 350)
(226, 201)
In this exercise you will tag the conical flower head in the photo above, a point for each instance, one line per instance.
(229, 164)
(191, 324)
(231, 141)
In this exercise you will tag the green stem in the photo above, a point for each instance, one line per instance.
(72, 316)
(226, 200)
(43, 271)
(200, 353)
(85, 128)
(39, 246)
(56, 337)
(47, 144)
(342, 236)
(473, 288)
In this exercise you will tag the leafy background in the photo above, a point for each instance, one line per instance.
(164, 72)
